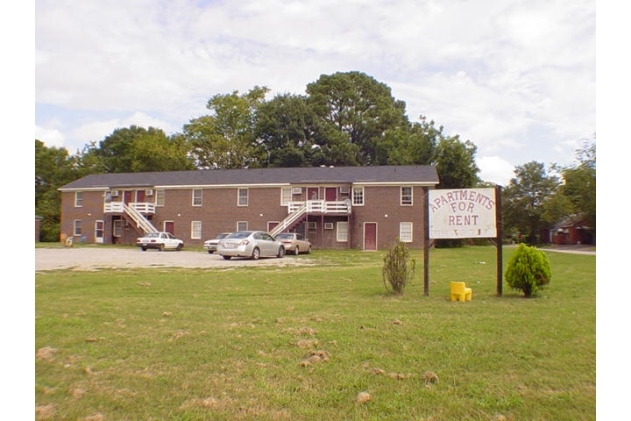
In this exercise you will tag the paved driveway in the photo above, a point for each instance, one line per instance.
(87, 258)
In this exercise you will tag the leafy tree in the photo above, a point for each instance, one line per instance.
(455, 163)
(528, 270)
(525, 198)
(136, 149)
(53, 168)
(285, 133)
(360, 108)
(580, 183)
(226, 137)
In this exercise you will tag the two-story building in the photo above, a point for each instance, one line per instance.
(334, 207)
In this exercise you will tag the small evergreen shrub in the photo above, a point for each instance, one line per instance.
(398, 268)
(528, 270)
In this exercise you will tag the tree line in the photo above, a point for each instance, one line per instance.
(344, 119)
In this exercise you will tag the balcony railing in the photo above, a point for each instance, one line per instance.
(321, 206)
(145, 208)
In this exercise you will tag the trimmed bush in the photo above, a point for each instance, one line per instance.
(398, 268)
(528, 270)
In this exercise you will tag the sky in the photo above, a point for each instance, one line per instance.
(517, 78)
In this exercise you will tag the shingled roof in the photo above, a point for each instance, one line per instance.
(408, 174)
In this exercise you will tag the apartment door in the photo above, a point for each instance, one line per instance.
(169, 226)
(330, 194)
(99, 231)
(370, 236)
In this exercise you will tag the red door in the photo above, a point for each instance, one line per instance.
(169, 226)
(128, 196)
(330, 194)
(370, 236)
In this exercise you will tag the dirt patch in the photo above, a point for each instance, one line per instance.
(111, 258)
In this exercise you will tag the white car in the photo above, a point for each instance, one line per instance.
(250, 244)
(211, 245)
(159, 240)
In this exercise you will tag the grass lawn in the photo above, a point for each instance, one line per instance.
(322, 341)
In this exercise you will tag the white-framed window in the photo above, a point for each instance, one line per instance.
(160, 197)
(406, 196)
(242, 199)
(341, 234)
(76, 227)
(405, 232)
(312, 226)
(328, 225)
(117, 228)
(242, 225)
(358, 196)
(285, 196)
(196, 230)
(78, 199)
(197, 197)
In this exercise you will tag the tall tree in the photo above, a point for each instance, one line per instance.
(524, 199)
(226, 137)
(54, 167)
(136, 149)
(580, 183)
(360, 108)
(455, 163)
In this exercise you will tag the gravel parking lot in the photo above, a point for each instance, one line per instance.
(81, 258)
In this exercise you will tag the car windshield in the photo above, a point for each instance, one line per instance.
(240, 234)
(285, 235)
(152, 235)
(220, 236)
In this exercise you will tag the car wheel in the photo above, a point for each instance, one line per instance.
(226, 257)
(161, 247)
(309, 250)
(210, 252)
(281, 252)
(256, 253)
(179, 247)
(143, 248)
(297, 251)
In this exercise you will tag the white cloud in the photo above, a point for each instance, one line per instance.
(516, 78)
(495, 169)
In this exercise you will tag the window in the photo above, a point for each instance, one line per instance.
(76, 227)
(242, 225)
(328, 225)
(197, 197)
(406, 196)
(358, 196)
(196, 230)
(405, 232)
(312, 226)
(243, 197)
(160, 197)
(342, 231)
(285, 196)
(78, 199)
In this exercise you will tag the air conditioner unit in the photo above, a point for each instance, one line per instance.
(149, 192)
(344, 189)
(114, 193)
(296, 190)
(328, 225)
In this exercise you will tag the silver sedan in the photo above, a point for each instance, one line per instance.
(251, 244)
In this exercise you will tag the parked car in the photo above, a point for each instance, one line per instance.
(252, 244)
(294, 242)
(211, 245)
(159, 240)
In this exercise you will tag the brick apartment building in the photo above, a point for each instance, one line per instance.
(334, 207)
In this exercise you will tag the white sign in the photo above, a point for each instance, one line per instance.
(462, 213)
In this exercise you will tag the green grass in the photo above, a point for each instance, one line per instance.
(230, 344)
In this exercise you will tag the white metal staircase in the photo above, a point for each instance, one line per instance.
(139, 219)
